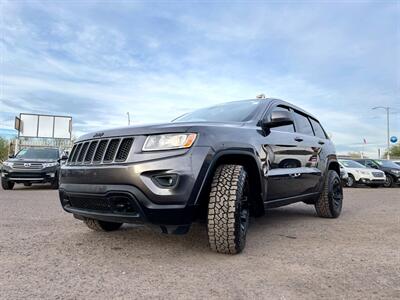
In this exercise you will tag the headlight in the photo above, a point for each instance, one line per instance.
(7, 164)
(169, 141)
(47, 165)
(395, 171)
(363, 172)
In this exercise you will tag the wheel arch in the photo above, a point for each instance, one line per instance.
(253, 169)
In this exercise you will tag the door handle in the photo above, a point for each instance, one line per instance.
(298, 139)
(321, 142)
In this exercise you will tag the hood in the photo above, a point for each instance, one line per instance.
(153, 129)
(363, 169)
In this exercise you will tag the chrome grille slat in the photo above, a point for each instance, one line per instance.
(32, 166)
(101, 151)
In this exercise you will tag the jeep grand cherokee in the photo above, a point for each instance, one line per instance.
(223, 163)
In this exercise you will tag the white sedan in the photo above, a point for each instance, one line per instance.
(361, 174)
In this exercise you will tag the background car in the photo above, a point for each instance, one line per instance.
(32, 165)
(392, 170)
(359, 174)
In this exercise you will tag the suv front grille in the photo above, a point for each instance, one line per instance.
(21, 165)
(101, 151)
(377, 174)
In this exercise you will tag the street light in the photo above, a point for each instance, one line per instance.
(387, 108)
(129, 118)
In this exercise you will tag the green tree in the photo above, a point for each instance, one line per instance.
(354, 154)
(3, 149)
(394, 151)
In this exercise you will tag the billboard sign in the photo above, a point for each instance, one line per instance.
(44, 126)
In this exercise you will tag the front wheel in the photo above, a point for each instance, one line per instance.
(7, 185)
(228, 210)
(329, 204)
(388, 182)
(351, 182)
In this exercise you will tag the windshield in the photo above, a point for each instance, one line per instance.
(32, 153)
(386, 163)
(351, 164)
(238, 111)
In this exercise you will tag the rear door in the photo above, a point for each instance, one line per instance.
(313, 161)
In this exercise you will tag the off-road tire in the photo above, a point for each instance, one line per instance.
(389, 181)
(228, 210)
(7, 185)
(329, 204)
(98, 225)
(351, 181)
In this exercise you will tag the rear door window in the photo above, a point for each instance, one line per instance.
(319, 132)
(303, 125)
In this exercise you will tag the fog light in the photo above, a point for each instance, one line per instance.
(166, 180)
(51, 174)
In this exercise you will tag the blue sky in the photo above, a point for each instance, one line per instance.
(97, 60)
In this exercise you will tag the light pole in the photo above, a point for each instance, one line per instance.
(387, 108)
(129, 118)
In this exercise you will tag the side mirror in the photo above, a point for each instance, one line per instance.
(278, 118)
(11, 156)
(64, 157)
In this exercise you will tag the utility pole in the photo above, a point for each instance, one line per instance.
(387, 108)
(129, 118)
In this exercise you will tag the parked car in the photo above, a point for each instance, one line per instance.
(222, 164)
(360, 174)
(391, 169)
(397, 162)
(32, 165)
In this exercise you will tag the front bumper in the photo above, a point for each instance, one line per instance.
(29, 176)
(128, 193)
(372, 180)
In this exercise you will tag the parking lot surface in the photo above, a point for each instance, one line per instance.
(290, 254)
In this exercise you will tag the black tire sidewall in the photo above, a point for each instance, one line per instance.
(332, 178)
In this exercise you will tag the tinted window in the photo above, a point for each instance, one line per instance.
(37, 153)
(351, 164)
(319, 132)
(285, 128)
(303, 124)
(238, 111)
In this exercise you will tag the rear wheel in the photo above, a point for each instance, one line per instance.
(7, 185)
(329, 204)
(228, 210)
(98, 225)
(388, 182)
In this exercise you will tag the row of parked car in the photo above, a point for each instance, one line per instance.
(370, 172)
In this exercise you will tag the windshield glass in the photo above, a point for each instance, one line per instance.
(238, 111)
(386, 163)
(32, 153)
(351, 164)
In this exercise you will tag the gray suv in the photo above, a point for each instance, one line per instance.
(221, 164)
